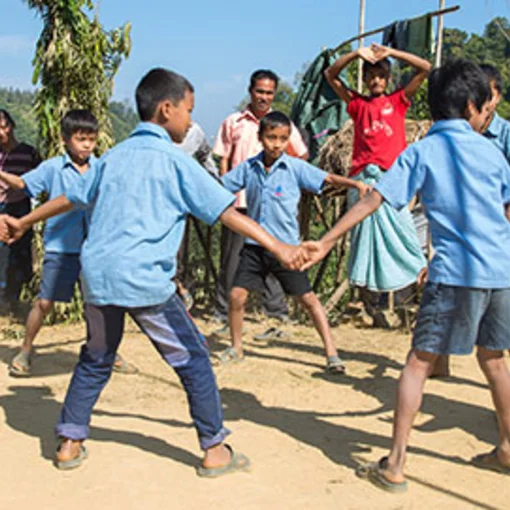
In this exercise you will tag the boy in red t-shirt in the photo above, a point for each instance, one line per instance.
(385, 251)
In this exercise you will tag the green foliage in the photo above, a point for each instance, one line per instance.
(74, 64)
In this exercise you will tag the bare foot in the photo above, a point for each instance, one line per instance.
(217, 456)
(69, 449)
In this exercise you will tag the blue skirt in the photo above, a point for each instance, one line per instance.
(385, 252)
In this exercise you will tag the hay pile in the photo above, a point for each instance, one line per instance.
(336, 154)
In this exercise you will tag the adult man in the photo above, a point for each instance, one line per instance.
(237, 141)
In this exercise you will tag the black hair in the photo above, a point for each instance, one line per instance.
(384, 65)
(78, 120)
(263, 74)
(272, 120)
(494, 76)
(453, 85)
(159, 85)
(5, 115)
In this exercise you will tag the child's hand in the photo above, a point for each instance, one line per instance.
(315, 251)
(367, 54)
(380, 52)
(4, 229)
(292, 257)
(14, 229)
(364, 189)
(423, 276)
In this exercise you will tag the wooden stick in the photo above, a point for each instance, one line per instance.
(337, 295)
(381, 29)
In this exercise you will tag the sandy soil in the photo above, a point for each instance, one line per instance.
(304, 430)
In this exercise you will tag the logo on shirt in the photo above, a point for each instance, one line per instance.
(278, 192)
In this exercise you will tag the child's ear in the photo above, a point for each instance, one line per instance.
(165, 110)
(470, 110)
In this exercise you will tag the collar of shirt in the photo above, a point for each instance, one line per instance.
(150, 128)
(458, 125)
(281, 162)
(248, 114)
(495, 126)
(67, 161)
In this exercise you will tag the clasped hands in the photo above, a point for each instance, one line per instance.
(11, 229)
(302, 257)
(374, 53)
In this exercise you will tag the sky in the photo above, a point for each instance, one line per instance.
(218, 44)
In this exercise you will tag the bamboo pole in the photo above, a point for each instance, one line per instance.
(361, 43)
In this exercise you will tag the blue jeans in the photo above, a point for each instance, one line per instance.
(176, 338)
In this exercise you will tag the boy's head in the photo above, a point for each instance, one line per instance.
(459, 89)
(79, 130)
(7, 126)
(274, 134)
(263, 85)
(496, 85)
(167, 99)
(376, 76)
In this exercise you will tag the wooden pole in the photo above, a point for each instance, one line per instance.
(361, 43)
(440, 27)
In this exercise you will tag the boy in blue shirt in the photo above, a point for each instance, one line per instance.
(497, 130)
(273, 182)
(63, 235)
(141, 192)
(464, 182)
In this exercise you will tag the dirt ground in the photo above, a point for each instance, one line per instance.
(305, 431)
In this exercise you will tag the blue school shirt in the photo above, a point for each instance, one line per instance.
(498, 132)
(464, 182)
(141, 192)
(273, 197)
(63, 233)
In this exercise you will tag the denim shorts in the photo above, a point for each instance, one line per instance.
(60, 272)
(452, 320)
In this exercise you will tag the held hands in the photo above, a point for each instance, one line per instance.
(11, 229)
(300, 258)
(315, 252)
(364, 189)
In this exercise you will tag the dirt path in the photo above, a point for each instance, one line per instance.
(305, 431)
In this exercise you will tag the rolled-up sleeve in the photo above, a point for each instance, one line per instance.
(204, 197)
(84, 192)
(403, 180)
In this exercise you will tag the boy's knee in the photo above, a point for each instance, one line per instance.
(44, 306)
(422, 360)
(238, 297)
(490, 361)
(309, 300)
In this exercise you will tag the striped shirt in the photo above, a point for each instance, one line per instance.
(18, 161)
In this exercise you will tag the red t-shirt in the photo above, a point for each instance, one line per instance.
(379, 129)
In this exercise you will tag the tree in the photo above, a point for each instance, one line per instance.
(74, 64)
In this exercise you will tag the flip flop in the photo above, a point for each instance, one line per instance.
(73, 463)
(121, 366)
(229, 355)
(491, 462)
(20, 365)
(238, 462)
(373, 472)
(335, 365)
(272, 334)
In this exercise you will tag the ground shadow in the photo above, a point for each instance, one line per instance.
(34, 411)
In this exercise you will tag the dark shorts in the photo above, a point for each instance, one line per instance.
(452, 320)
(256, 264)
(60, 272)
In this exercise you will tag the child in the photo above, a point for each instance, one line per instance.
(141, 192)
(273, 182)
(385, 251)
(63, 235)
(464, 183)
(497, 130)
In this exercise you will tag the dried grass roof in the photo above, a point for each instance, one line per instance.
(336, 154)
